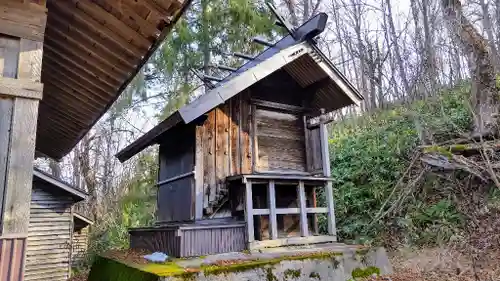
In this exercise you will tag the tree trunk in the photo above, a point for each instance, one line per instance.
(476, 48)
(429, 58)
(397, 51)
(488, 27)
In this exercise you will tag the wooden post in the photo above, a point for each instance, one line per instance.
(273, 221)
(22, 27)
(249, 211)
(325, 157)
(304, 228)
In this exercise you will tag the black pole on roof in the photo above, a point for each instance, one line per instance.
(226, 68)
(202, 76)
(262, 41)
(243, 56)
(281, 20)
(211, 78)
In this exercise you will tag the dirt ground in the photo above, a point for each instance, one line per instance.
(443, 264)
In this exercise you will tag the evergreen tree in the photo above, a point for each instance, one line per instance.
(205, 36)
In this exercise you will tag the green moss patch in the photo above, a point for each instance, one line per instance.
(366, 272)
(105, 269)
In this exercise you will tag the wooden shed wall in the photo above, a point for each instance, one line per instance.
(176, 196)
(49, 237)
(224, 143)
(79, 246)
(223, 148)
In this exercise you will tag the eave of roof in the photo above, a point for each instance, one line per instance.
(76, 193)
(82, 219)
(89, 61)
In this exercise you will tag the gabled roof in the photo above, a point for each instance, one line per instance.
(296, 54)
(92, 50)
(54, 185)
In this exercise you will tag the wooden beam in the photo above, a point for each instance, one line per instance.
(108, 49)
(74, 78)
(279, 106)
(325, 158)
(70, 48)
(159, 7)
(82, 65)
(249, 212)
(304, 228)
(92, 27)
(21, 88)
(61, 67)
(23, 20)
(110, 22)
(16, 210)
(289, 211)
(199, 190)
(71, 94)
(88, 53)
(75, 86)
(273, 220)
(30, 60)
(128, 11)
(291, 241)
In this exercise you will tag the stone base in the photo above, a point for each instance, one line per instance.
(333, 262)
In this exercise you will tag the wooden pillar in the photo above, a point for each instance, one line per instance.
(22, 27)
(249, 212)
(304, 228)
(325, 157)
(273, 220)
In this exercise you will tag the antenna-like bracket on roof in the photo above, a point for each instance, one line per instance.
(211, 78)
(243, 56)
(262, 41)
(226, 68)
(202, 77)
(281, 20)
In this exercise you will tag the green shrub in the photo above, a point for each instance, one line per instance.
(370, 153)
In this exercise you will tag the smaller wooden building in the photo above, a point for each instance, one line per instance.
(80, 239)
(252, 152)
(52, 226)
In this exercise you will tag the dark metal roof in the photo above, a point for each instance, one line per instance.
(296, 53)
(92, 50)
(56, 185)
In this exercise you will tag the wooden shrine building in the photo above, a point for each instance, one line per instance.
(239, 167)
(62, 65)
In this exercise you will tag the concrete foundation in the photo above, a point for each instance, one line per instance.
(333, 262)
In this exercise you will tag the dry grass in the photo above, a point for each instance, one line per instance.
(443, 264)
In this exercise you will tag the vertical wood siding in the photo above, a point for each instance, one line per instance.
(11, 258)
(49, 237)
(80, 244)
(156, 239)
(208, 241)
(225, 143)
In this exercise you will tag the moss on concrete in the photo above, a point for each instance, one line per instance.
(292, 274)
(366, 272)
(113, 269)
(105, 269)
(315, 275)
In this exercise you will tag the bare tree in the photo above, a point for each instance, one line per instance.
(476, 48)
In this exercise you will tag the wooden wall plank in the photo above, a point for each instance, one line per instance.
(9, 56)
(199, 168)
(6, 107)
(23, 20)
(30, 60)
(221, 149)
(209, 158)
(20, 166)
(246, 157)
(235, 136)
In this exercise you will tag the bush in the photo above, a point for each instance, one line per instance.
(369, 154)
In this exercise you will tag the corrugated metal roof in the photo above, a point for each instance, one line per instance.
(92, 50)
